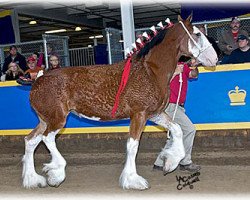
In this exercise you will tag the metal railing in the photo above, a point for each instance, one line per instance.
(59, 45)
(81, 56)
(214, 29)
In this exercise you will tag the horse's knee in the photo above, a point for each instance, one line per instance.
(31, 143)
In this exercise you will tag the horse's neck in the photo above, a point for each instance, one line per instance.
(162, 61)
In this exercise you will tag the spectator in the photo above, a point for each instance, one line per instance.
(228, 39)
(201, 27)
(54, 62)
(14, 57)
(41, 59)
(13, 72)
(33, 68)
(241, 54)
(35, 55)
(50, 49)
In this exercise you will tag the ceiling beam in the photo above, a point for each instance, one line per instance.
(60, 16)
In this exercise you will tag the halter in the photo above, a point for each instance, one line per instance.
(195, 43)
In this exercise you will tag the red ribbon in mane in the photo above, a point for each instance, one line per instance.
(123, 83)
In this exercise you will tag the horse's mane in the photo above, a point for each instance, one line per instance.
(155, 41)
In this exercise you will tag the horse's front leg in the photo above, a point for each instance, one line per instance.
(129, 178)
(173, 152)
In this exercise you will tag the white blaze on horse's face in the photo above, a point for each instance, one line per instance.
(202, 50)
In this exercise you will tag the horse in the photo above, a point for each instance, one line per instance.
(90, 92)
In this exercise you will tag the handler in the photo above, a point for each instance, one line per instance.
(181, 118)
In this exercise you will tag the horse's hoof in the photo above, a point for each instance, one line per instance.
(165, 172)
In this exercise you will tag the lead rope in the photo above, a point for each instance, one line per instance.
(177, 103)
(180, 75)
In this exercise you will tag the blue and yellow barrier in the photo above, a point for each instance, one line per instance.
(208, 105)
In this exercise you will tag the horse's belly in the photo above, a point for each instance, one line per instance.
(94, 118)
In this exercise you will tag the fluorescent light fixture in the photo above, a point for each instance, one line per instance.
(78, 28)
(56, 31)
(97, 36)
(89, 45)
(32, 22)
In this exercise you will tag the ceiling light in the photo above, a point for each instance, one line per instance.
(56, 31)
(78, 28)
(97, 36)
(32, 22)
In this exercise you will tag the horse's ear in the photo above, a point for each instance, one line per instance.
(179, 18)
(190, 17)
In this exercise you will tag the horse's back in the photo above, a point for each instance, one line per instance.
(89, 91)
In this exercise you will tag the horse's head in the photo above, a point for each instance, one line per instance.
(196, 44)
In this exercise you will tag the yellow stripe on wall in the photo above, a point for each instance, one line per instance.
(218, 68)
(125, 129)
(5, 13)
(225, 68)
(9, 84)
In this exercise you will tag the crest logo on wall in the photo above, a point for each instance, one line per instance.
(237, 97)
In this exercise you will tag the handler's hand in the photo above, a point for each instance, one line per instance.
(179, 69)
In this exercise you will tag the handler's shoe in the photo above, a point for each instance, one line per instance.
(156, 167)
(190, 168)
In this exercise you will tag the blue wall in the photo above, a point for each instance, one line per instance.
(207, 103)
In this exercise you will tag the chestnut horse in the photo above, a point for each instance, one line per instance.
(90, 92)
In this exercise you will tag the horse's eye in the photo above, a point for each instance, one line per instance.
(198, 34)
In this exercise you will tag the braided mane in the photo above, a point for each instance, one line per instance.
(155, 41)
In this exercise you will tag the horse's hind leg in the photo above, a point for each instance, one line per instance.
(56, 168)
(30, 178)
(129, 178)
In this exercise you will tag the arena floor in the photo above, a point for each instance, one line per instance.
(96, 175)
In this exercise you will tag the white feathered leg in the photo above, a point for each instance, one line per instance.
(129, 178)
(174, 151)
(56, 168)
(30, 178)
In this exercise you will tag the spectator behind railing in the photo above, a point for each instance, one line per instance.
(35, 55)
(54, 62)
(16, 57)
(201, 27)
(241, 54)
(33, 68)
(228, 40)
(35, 71)
(41, 58)
(13, 72)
